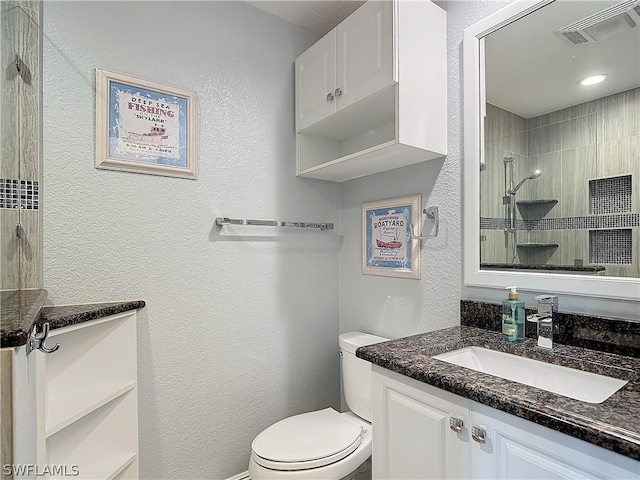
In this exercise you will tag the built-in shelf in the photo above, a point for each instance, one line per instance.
(537, 245)
(88, 409)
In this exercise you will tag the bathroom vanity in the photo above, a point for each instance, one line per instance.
(434, 419)
(78, 408)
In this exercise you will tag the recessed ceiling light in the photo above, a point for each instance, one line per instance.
(592, 79)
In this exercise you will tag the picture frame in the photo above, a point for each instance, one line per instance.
(388, 248)
(144, 127)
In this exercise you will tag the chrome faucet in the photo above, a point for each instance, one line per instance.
(545, 318)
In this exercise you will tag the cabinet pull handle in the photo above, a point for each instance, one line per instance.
(456, 424)
(479, 434)
(329, 97)
(338, 92)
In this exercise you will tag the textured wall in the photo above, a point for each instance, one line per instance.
(397, 307)
(241, 325)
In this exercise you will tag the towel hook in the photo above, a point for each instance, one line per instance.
(432, 213)
(36, 340)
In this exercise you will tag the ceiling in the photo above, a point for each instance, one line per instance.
(319, 16)
(531, 70)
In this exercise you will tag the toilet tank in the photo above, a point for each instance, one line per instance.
(356, 373)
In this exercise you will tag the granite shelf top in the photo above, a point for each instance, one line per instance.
(518, 266)
(22, 309)
(613, 424)
(63, 316)
(18, 310)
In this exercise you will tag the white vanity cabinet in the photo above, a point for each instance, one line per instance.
(371, 94)
(86, 399)
(517, 448)
(412, 438)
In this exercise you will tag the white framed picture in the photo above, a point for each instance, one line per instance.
(144, 127)
(388, 247)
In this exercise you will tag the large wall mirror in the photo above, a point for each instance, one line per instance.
(552, 148)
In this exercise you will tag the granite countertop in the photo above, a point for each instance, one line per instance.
(519, 266)
(613, 424)
(18, 310)
(22, 309)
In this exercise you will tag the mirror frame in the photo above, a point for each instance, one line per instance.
(626, 288)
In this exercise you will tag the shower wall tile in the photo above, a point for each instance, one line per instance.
(545, 139)
(580, 166)
(578, 132)
(9, 93)
(619, 115)
(549, 185)
(21, 145)
(579, 110)
(617, 157)
(592, 140)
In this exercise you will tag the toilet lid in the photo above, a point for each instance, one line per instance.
(317, 438)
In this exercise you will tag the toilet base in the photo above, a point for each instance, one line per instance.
(363, 472)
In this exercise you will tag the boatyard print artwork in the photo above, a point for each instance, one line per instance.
(143, 126)
(387, 246)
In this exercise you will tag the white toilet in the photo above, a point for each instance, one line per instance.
(323, 444)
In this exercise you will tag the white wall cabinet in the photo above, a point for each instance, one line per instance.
(371, 94)
(86, 394)
(348, 64)
(412, 439)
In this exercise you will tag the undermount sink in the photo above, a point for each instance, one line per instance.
(577, 384)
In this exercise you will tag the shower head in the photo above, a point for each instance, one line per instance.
(533, 175)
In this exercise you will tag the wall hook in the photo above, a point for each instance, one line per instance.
(36, 340)
(432, 213)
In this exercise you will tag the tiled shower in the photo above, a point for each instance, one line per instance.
(585, 207)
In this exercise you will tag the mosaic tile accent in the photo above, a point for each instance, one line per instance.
(23, 194)
(620, 220)
(611, 246)
(610, 195)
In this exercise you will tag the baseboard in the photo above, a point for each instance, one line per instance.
(241, 476)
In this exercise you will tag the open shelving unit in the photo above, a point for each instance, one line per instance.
(87, 399)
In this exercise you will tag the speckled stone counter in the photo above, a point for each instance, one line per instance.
(562, 268)
(24, 308)
(18, 310)
(613, 424)
(66, 315)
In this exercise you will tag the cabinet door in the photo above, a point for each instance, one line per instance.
(315, 82)
(411, 433)
(364, 52)
(516, 448)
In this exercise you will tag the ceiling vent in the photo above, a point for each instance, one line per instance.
(605, 23)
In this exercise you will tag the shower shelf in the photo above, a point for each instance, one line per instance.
(526, 203)
(537, 245)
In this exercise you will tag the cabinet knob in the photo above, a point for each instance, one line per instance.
(456, 424)
(330, 97)
(479, 434)
(338, 92)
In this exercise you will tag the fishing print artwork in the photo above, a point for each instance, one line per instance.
(144, 127)
(388, 248)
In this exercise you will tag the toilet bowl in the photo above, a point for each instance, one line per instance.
(322, 444)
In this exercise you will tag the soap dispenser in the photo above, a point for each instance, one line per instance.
(513, 317)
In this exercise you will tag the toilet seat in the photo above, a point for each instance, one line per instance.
(309, 440)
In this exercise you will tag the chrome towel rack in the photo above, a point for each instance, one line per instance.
(222, 221)
(432, 213)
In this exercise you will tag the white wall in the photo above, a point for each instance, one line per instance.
(241, 325)
(398, 307)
